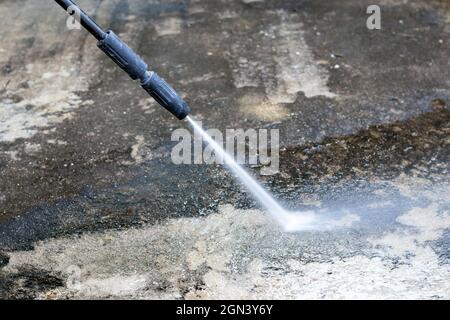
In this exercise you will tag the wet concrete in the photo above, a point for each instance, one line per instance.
(88, 186)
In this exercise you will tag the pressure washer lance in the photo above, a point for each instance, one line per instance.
(130, 62)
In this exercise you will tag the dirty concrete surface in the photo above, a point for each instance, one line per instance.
(92, 207)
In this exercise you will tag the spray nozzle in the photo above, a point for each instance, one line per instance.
(165, 95)
(136, 68)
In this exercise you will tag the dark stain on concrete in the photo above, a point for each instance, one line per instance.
(4, 259)
(27, 283)
(382, 151)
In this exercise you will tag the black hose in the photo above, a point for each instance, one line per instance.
(90, 25)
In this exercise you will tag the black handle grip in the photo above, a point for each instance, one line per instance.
(123, 56)
(166, 96)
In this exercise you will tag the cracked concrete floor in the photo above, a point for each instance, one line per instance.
(92, 207)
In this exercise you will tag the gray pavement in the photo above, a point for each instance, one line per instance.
(91, 205)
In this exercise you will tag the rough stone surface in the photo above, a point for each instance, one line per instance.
(92, 207)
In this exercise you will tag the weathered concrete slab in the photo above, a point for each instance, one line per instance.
(85, 155)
